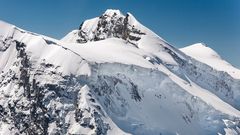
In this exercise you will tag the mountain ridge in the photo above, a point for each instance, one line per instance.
(207, 55)
(110, 86)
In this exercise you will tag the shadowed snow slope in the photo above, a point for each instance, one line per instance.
(112, 76)
(206, 55)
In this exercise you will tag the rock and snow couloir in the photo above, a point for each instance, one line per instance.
(111, 76)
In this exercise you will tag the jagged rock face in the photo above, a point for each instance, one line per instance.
(5, 43)
(110, 25)
(32, 107)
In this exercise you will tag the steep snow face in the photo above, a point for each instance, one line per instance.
(143, 101)
(40, 49)
(110, 84)
(208, 56)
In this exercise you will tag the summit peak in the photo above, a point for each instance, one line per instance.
(201, 44)
(111, 24)
(111, 12)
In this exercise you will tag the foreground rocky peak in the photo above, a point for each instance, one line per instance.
(111, 24)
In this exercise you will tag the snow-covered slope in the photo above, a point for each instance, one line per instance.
(112, 76)
(113, 24)
(206, 55)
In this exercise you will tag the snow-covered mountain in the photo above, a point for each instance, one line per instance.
(208, 56)
(111, 76)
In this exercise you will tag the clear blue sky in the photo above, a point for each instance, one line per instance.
(180, 22)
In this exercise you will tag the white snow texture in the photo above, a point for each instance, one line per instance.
(114, 76)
